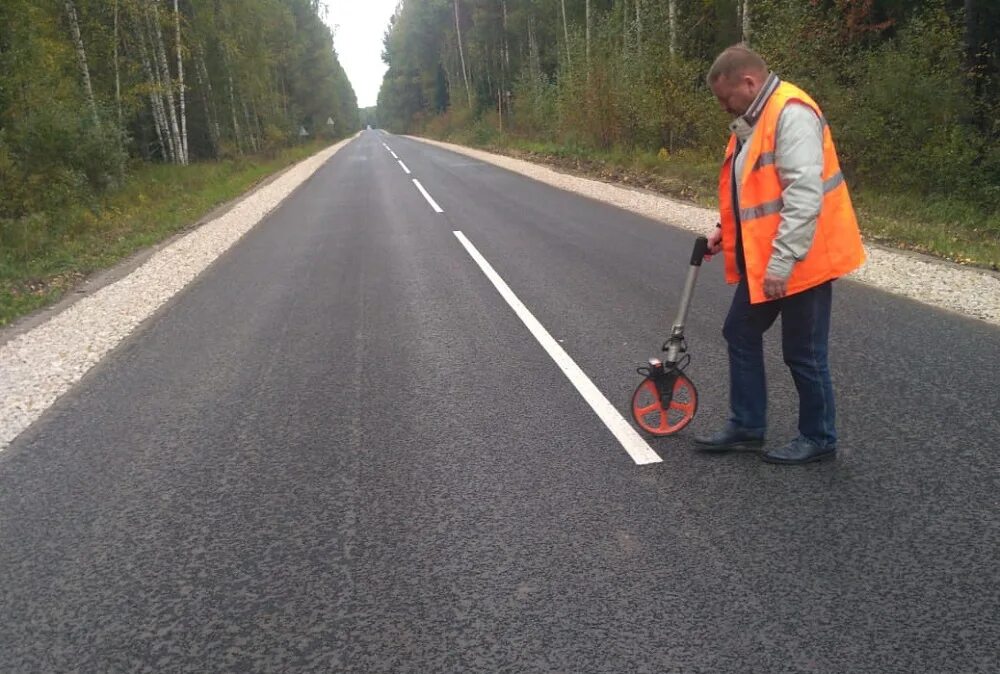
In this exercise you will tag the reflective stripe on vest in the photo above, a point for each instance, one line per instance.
(775, 206)
(765, 159)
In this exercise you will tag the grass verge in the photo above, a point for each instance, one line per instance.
(55, 251)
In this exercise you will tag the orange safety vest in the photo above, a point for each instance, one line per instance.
(836, 248)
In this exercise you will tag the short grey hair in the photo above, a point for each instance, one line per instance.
(734, 61)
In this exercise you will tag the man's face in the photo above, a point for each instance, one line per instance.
(735, 94)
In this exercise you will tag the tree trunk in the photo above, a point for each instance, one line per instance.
(256, 121)
(232, 104)
(461, 55)
(534, 62)
(205, 87)
(211, 102)
(506, 44)
(118, 82)
(155, 102)
(569, 61)
(250, 128)
(180, 83)
(208, 112)
(672, 24)
(81, 59)
(587, 32)
(160, 56)
(624, 28)
(505, 67)
(746, 22)
(160, 96)
(449, 79)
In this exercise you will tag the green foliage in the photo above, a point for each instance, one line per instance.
(252, 73)
(912, 108)
(55, 157)
(537, 99)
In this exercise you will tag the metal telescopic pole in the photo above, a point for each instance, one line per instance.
(675, 344)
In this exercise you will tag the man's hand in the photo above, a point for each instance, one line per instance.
(714, 243)
(775, 287)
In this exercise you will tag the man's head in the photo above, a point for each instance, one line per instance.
(736, 78)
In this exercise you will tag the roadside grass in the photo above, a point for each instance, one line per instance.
(947, 227)
(46, 255)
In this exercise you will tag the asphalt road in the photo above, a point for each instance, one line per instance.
(341, 449)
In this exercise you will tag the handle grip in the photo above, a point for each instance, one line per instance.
(700, 250)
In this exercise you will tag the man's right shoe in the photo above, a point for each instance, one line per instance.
(729, 438)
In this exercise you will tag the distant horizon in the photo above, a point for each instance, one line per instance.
(357, 37)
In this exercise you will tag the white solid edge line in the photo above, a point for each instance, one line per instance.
(634, 444)
(433, 203)
(404, 166)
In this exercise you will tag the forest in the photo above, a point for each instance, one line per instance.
(94, 91)
(911, 87)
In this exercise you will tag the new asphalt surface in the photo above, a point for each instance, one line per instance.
(341, 450)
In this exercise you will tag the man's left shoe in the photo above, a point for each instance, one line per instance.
(800, 450)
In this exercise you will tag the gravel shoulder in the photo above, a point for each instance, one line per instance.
(971, 292)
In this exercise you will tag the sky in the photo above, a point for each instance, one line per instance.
(358, 27)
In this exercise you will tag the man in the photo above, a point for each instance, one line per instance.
(787, 230)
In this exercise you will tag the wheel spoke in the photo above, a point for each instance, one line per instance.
(687, 408)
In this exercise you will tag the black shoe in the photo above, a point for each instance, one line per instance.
(800, 450)
(731, 437)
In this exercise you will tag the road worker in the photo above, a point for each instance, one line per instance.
(787, 230)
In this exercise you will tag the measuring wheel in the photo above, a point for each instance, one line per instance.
(664, 402)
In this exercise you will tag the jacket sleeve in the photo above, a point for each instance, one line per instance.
(799, 159)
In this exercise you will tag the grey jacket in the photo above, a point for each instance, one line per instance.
(799, 160)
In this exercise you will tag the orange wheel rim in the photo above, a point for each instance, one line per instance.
(648, 411)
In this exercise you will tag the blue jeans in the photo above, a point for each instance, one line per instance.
(805, 330)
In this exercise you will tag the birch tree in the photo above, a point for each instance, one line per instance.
(118, 83)
(180, 85)
(154, 88)
(81, 59)
(672, 25)
(160, 54)
(569, 61)
(461, 54)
